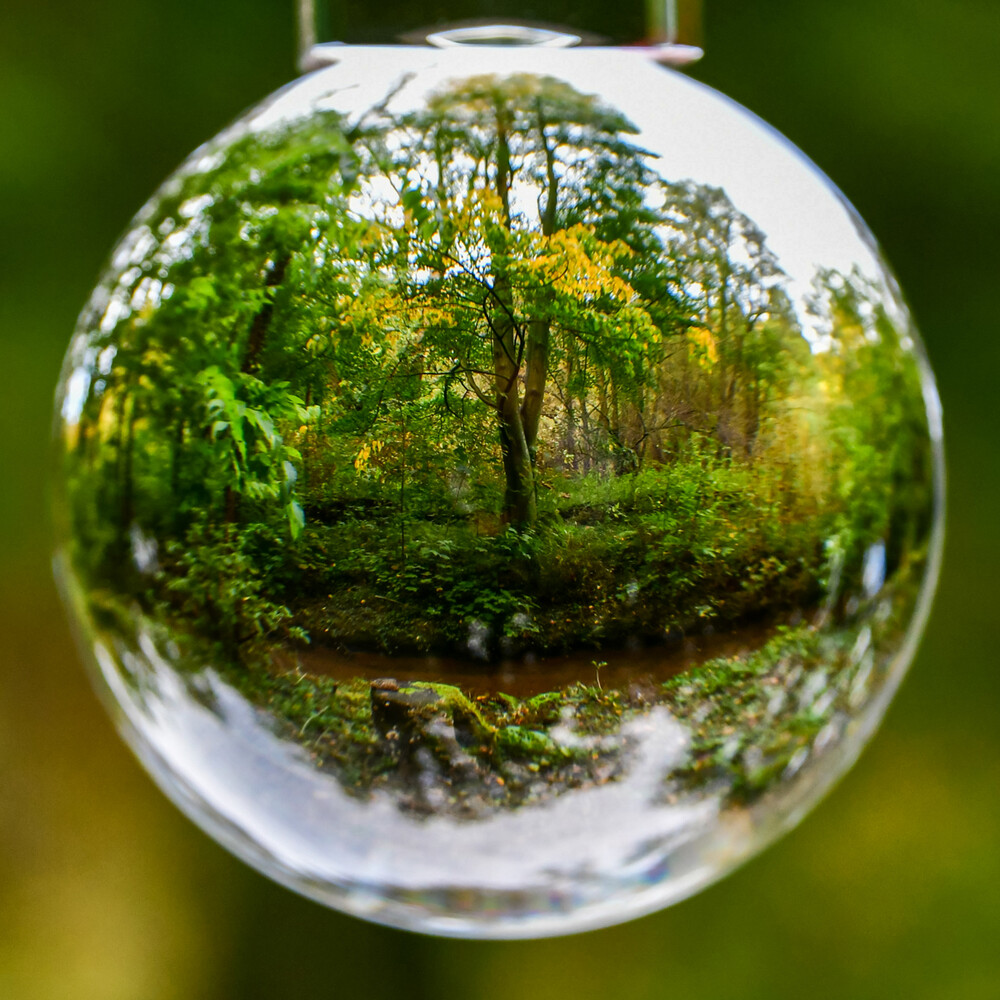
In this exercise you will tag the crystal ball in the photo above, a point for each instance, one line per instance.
(499, 491)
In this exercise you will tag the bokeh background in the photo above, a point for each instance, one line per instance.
(891, 888)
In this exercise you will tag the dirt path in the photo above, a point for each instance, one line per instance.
(530, 675)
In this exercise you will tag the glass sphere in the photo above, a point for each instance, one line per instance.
(499, 490)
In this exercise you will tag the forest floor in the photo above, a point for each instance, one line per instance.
(450, 738)
(647, 558)
(530, 674)
(752, 717)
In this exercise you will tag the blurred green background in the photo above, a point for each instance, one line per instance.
(890, 888)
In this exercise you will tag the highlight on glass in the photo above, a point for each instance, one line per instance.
(499, 486)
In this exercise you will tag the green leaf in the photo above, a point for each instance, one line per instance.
(296, 518)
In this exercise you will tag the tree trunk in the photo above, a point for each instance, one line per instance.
(520, 507)
(588, 438)
(519, 498)
(537, 369)
(570, 415)
(261, 322)
(539, 330)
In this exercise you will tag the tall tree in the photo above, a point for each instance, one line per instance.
(521, 208)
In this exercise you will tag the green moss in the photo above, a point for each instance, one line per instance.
(528, 744)
(751, 719)
(460, 709)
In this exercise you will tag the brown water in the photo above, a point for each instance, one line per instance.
(528, 676)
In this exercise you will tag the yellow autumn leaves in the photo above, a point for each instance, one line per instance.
(575, 262)
(702, 347)
(369, 450)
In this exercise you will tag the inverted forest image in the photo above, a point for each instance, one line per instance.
(439, 432)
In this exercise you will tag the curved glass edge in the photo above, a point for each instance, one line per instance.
(784, 811)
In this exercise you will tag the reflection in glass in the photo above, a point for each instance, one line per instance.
(497, 503)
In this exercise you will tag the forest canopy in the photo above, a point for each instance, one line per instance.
(476, 377)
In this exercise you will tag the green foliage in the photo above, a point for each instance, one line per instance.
(211, 583)
(479, 378)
